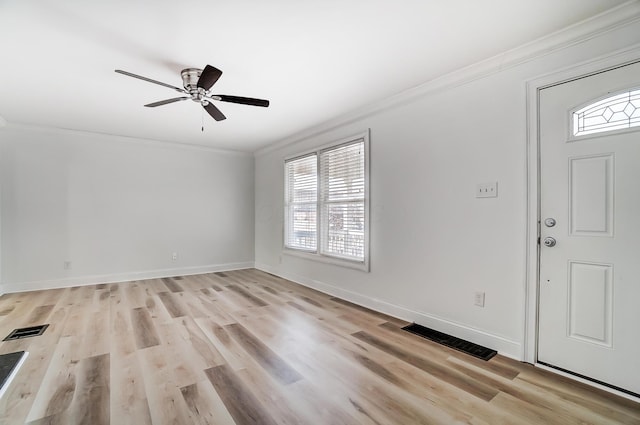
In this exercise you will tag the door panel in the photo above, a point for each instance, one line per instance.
(590, 296)
(589, 303)
(591, 195)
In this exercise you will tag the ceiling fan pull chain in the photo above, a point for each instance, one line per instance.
(202, 119)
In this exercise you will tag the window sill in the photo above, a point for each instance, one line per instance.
(357, 265)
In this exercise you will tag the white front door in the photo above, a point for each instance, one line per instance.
(589, 300)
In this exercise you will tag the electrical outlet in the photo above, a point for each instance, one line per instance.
(174, 256)
(487, 190)
(67, 265)
(478, 299)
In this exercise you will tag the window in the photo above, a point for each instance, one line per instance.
(326, 202)
(302, 203)
(617, 112)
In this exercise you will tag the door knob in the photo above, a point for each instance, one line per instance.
(550, 222)
(549, 241)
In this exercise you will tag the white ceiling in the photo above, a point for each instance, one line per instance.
(314, 60)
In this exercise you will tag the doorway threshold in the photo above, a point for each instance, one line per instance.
(630, 395)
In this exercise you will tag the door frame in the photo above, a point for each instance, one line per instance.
(597, 65)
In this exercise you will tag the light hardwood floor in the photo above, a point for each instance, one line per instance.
(246, 347)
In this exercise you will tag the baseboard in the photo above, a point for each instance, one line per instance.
(120, 277)
(504, 346)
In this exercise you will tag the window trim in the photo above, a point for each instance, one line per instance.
(317, 254)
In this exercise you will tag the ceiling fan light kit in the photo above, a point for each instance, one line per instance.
(196, 85)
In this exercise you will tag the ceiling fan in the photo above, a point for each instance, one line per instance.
(197, 83)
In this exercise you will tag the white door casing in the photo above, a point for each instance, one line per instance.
(589, 282)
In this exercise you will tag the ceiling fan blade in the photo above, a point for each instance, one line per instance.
(164, 102)
(209, 76)
(242, 100)
(139, 77)
(214, 112)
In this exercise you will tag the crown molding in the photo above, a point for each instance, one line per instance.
(617, 17)
(9, 125)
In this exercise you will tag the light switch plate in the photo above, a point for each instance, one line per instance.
(487, 190)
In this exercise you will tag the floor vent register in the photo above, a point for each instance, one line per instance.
(26, 332)
(9, 365)
(475, 350)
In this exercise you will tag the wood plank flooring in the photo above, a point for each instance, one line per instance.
(246, 347)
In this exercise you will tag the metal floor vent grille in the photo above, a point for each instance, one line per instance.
(9, 365)
(26, 332)
(475, 350)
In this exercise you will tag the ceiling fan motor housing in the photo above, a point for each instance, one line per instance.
(190, 77)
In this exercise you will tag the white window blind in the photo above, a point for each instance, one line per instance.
(342, 201)
(301, 203)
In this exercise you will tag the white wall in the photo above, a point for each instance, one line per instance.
(117, 208)
(3, 124)
(433, 244)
